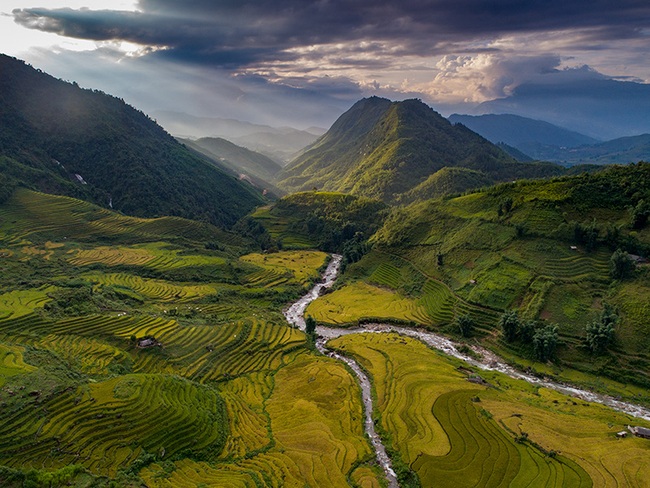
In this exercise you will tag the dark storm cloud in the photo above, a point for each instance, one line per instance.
(242, 32)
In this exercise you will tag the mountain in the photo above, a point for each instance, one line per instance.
(57, 137)
(382, 149)
(243, 161)
(281, 144)
(581, 101)
(520, 132)
(623, 150)
(278, 143)
(543, 141)
(515, 153)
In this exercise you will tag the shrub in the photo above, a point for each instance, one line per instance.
(465, 325)
(310, 325)
(600, 332)
(620, 265)
(509, 323)
(545, 342)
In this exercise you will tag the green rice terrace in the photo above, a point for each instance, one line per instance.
(154, 351)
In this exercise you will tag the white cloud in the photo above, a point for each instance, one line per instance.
(481, 77)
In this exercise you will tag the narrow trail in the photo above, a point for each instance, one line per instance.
(489, 361)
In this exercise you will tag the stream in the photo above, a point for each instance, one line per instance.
(489, 362)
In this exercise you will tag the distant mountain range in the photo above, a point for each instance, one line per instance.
(59, 138)
(543, 141)
(393, 150)
(246, 163)
(278, 143)
(581, 101)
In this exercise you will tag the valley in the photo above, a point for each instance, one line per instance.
(402, 304)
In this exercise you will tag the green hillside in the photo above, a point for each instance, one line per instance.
(59, 138)
(382, 149)
(546, 249)
(323, 220)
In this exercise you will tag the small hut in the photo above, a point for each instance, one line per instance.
(640, 431)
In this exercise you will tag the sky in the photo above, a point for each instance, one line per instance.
(302, 63)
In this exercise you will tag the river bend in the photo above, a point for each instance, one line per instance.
(489, 361)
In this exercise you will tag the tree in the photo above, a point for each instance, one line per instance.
(600, 332)
(527, 331)
(640, 215)
(591, 236)
(545, 342)
(509, 323)
(620, 265)
(465, 325)
(310, 325)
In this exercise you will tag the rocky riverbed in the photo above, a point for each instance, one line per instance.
(488, 361)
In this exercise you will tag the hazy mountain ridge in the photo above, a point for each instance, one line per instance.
(544, 141)
(55, 133)
(278, 143)
(516, 130)
(600, 107)
(382, 149)
(237, 158)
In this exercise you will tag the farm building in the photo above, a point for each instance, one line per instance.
(148, 342)
(640, 431)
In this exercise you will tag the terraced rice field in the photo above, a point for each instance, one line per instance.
(452, 432)
(482, 454)
(579, 266)
(29, 212)
(23, 302)
(278, 228)
(316, 418)
(361, 301)
(88, 355)
(439, 302)
(106, 425)
(201, 353)
(313, 408)
(154, 255)
(289, 266)
(153, 289)
(12, 363)
(386, 274)
(436, 305)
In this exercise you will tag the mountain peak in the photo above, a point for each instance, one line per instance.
(382, 149)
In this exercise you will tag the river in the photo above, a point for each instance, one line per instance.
(489, 361)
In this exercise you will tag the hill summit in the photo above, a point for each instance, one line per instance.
(384, 150)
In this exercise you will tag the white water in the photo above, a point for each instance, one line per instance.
(295, 316)
(490, 361)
